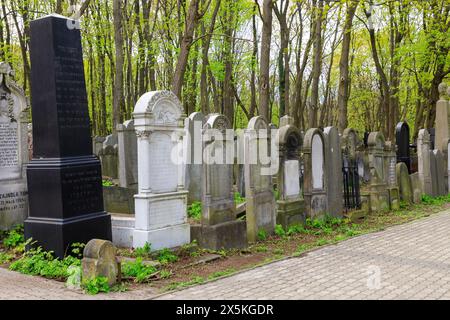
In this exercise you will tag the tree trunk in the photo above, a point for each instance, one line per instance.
(118, 100)
(264, 69)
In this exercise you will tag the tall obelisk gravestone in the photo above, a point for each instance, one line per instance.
(64, 178)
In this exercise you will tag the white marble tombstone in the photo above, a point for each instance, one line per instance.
(334, 171)
(194, 151)
(13, 150)
(127, 149)
(424, 163)
(260, 209)
(315, 184)
(161, 204)
(291, 179)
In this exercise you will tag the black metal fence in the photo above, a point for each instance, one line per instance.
(352, 197)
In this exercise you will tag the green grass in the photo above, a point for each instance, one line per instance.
(176, 285)
(223, 273)
(138, 270)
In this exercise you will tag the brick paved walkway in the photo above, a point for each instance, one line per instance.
(410, 261)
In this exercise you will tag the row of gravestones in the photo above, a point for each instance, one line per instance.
(64, 180)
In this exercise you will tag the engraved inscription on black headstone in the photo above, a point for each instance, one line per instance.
(402, 141)
(64, 178)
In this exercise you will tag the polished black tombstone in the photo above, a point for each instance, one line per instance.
(64, 178)
(402, 141)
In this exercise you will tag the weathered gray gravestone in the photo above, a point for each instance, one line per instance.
(193, 147)
(391, 162)
(290, 206)
(13, 150)
(109, 157)
(260, 208)
(442, 122)
(379, 194)
(434, 174)
(127, 150)
(416, 187)
(404, 183)
(440, 173)
(286, 120)
(334, 172)
(99, 260)
(448, 165)
(315, 180)
(219, 227)
(97, 144)
(64, 177)
(161, 202)
(424, 161)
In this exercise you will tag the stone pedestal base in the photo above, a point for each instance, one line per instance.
(316, 204)
(394, 198)
(122, 230)
(379, 198)
(226, 235)
(290, 212)
(13, 203)
(169, 237)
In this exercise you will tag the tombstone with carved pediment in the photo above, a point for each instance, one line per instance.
(290, 205)
(378, 188)
(260, 208)
(161, 204)
(315, 179)
(193, 146)
(13, 150)
(219, 227)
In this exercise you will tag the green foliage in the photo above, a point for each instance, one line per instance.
(143, 251)
(164, 274)
(5, 257)
(261, 249)
(96, 285)
(138, 270)
(262, 235)
(295, 229)
(238, 199)
(14, 237)
(193, 281)
(279, 231)
(437, 201)
(278, 251)
(39, 262)
(167, 256)
(223, 273)
(195, 210)
(107, 183)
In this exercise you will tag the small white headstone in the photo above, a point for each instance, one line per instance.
(291, 178)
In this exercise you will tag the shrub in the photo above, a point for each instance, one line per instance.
(262, 235)
(137, 270)
(167, 256)
(96, 285)
(195, 210)
(279, 231)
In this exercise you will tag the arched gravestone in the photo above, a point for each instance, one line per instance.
(404, 183)
(219, 227)
(424, 161)
(442, 122)
(334, 171)
(290, 205)
(13, 150)
(402, 141)
(315, 181)
(64, 177)
(193, 147)
(260, 208)
(161, 202)
(378, 189)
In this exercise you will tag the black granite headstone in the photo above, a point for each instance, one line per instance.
(402, 141)
(64, 178)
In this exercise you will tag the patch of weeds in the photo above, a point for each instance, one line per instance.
(166, 256)
(219, 274)
(301, 249)
(138, 270)
(119, 287)
(176, 285)
(195, 210)
(107, 183)
(278, 251)
(261, 249)
(276, 194)
(262, 235)
(238, 199)
(189, 249)
(279, 231)
(164, 274)
(96, 285)
(5, 257)
(14, 237)
(144, 251)
(322, 242)
(295, 229)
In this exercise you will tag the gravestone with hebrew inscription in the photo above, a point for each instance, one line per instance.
(161, 202)
(315, 180)
(13, 150)
(260, 208)
(218, 227)
(391, 162)
(290, 205)
(193, 146)
(64, 177)
(334, 172)
(379, 172)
